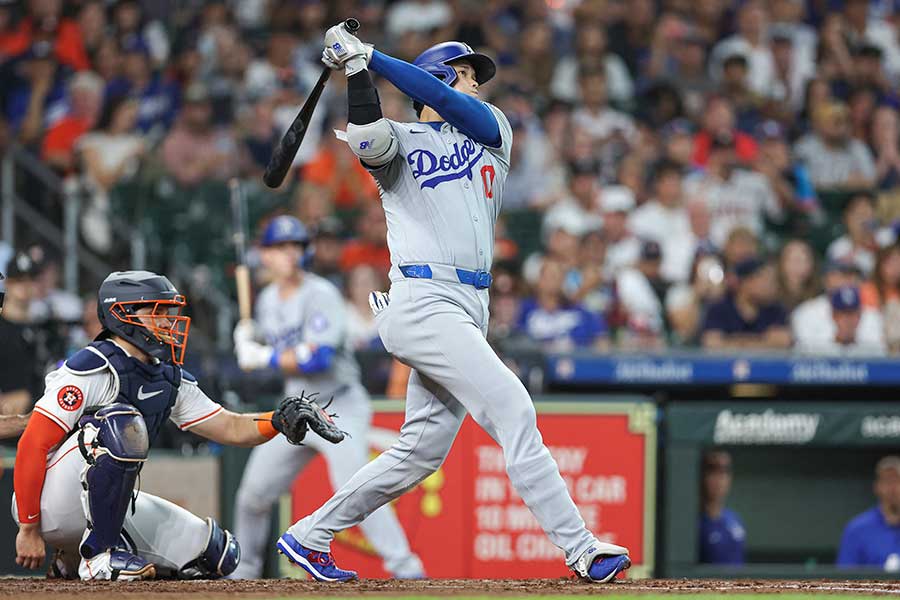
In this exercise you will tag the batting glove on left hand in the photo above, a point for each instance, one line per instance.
(343, 49)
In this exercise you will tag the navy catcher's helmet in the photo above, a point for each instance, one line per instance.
(282, 229)
(163, 332)
(436, 60)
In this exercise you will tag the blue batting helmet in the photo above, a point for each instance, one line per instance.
(436, 60)
(284, 229)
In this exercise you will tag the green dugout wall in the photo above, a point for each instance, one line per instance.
(801, 472)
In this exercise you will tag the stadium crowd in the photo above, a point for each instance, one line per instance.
(711, 174)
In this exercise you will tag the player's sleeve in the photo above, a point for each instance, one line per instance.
(850, 552)
(387, 175)
(192, 406)
(30, 470)
(67, 394)
(467, 113)
(504, 150)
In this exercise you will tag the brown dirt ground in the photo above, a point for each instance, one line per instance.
(40, 589)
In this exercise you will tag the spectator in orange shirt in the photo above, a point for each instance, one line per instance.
(719, 120)
(85, 102)
(370, 245)
(44, 22)
(336, 168)
(884, 287)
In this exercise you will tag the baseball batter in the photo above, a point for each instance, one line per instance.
(92, 429)
(441, 183)
(301, 330)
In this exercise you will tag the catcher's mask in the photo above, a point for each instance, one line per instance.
(145, 309)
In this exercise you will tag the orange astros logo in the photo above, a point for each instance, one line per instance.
(70, 398)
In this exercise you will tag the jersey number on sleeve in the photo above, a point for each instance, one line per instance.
(487, 178)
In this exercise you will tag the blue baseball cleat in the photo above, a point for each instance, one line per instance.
(605, 568)
(601, 562)
(318, 564)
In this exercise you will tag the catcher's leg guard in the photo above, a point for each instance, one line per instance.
(220, 557)
(114, 444)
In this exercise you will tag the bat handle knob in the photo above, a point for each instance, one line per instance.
(351, 25)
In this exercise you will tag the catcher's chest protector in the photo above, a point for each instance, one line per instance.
(152, 389)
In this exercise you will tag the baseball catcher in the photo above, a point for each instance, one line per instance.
(91, 431)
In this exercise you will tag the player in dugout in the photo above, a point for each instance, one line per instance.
(872, 539)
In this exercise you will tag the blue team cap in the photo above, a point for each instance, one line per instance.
(284, 229)
(677, 127)
(845, 298)
(770, 130)
(134, 44)
(748, 267)
(845, 266)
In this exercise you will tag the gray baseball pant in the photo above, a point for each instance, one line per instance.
(439, 329)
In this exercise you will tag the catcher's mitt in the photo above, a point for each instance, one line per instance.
(295, 414)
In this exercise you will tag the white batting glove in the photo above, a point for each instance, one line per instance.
(378, 301)
(251, 354)
(344, 48)
(245, 331)
(328, 62)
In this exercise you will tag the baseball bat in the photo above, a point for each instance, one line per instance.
(287, 148)
(241, 271)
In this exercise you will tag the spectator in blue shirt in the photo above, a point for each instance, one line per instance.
(722, 533)
(749, 317)
(554, 322)
(157, 96)
(872, 539)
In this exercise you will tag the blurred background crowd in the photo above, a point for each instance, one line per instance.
(712, 174)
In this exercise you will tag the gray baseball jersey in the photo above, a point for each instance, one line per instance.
(313, 314)
(442, 194)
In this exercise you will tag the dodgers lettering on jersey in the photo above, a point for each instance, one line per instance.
(442, 194)
(444, 168)
(313, 314)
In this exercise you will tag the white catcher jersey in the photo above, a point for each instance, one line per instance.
(442, 195)
(68, 394)
(313, 314)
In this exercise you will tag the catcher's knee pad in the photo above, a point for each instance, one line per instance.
(114, 444)
(374, 143)
(220, 556)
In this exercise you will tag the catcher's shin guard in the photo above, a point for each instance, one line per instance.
(219, 558)
(114, 444)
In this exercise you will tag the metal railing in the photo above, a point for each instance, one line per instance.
(16, 164)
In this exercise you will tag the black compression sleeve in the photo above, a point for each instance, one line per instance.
(362, 97)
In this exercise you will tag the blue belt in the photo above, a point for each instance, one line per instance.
(480, 280)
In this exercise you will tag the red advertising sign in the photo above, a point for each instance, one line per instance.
(466, 520)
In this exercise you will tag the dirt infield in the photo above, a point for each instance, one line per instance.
(34, 589)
